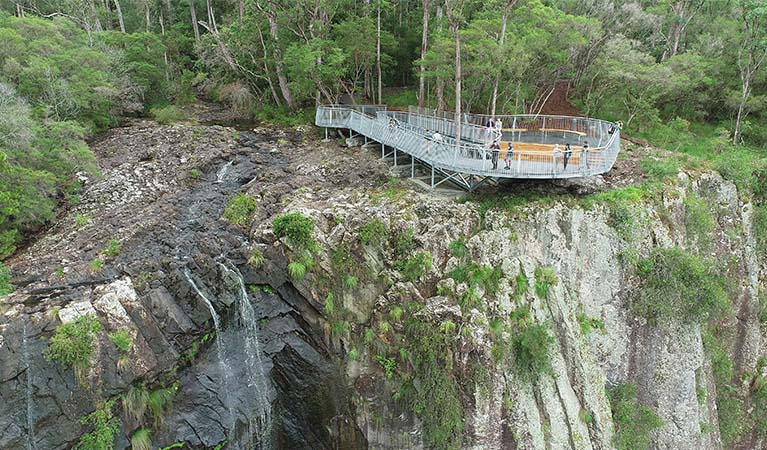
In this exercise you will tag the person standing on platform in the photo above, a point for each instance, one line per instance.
(567, 154)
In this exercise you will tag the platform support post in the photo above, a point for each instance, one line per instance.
(395, 156)
(432, 177)
(383, 150)
(326, 133)
(412, 166)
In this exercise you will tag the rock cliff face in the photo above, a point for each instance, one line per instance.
(390, 340)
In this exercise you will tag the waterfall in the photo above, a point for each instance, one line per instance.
(222, 171)
(30, 422)
(223, 366)
(256, 376)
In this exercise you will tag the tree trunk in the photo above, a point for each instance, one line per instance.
(119, 15)
(455, 28)
(741, 109)
(424, 47)
(378, 56)
(440, 89)
(146, 11)
(241, 5)
(281, 78)
(195, 25)
(506, 11)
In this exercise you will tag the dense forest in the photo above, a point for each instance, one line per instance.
(687, 75)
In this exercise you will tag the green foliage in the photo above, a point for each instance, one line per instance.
(72, 343)
(104, 428)
(389, 365)
(545, 278)
(330, 304)
(404, 244)
(416, 266)
(476, 275)
(350, 282)
(297, 270)
(82, 220)
(141, 439)
(677, 285)
(532, 344)
(437, 399)
(729, 404)
(634, 422)
(698, 220)
(760, 226)
(158, 403)
(5, 280)
(522, 285)
(173, 446)
(167, 115)
(296, 228)
(135, 403)
(96, 265)
(122, 340)
(588, 324)
(112, 249)
(660, 169)
(458, 248)
(255, 257)
(373, 232)
(239, 209)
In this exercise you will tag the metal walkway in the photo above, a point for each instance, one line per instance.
(538, 143)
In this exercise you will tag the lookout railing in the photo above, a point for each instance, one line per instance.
(534, 138)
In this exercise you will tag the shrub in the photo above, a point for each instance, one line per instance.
(113, 248)
(478, 275)
(105, 428)
(633, 422)
(660, 169)
(678, 285)
(82, 220)
(532, 344)
(72, 343)
(545, 278)
(729, 404)
(141, 440)
(168, 114)
(122, 340)
(416, 266)
(5, 280)
(350, 282)
(373, 233)
(296, 228)
(239, 209)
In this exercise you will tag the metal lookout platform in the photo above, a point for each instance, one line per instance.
(531, 146)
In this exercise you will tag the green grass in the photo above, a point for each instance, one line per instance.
(96, 265)
(545, 279)
(81, 220)
(403, 98)
(297, 270)
(255, 257)
(698, 221)
(72, 343)
(168, 114)
(141, 439)
(239, 209)
(5, 280)
(135, 403)
(677, 285)
(373, 232)
(122, 340)
(634, 422)
(729, 404)
(158, 403)
(112, 249)
(458, 248)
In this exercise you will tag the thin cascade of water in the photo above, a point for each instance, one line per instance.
(223, 171)
(254, 364)
(30, 422)
(224, 367)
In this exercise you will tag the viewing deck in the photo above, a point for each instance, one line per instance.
(534, 139)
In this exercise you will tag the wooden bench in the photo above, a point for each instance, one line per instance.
(514, 130)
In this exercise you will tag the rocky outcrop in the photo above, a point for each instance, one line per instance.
(260, 359)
